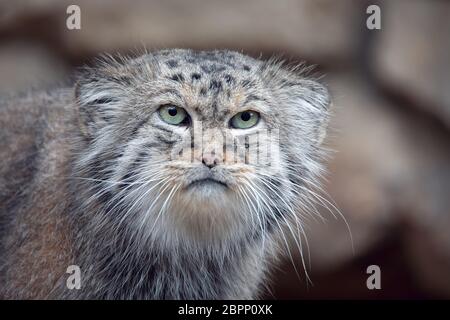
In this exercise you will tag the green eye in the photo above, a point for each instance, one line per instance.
(245, 120)
(173, 114)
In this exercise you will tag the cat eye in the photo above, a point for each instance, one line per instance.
(173, 115)
(245, 120)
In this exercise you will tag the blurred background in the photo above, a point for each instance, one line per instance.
(390, 175)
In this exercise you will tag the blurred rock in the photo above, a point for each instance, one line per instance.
(324, 31)
(412, 53)
(390, 173)
(366, 170)
(24, 66)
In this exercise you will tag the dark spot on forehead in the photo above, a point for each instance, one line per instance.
(246, 67)
(212, 68)
(196, 76)
(177, 77)
(229, 79)
(216, 86)
(172, 63)
(203, 91)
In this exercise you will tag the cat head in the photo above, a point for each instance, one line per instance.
(200, 145)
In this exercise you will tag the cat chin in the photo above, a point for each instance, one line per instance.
(206, 215)
(204, 192)
(204, 212)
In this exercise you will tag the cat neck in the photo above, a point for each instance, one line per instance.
(124, 268)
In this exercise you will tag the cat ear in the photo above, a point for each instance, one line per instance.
(317, 96)
(97, 100)
(302, 99)
(102, 91)
(311, 103)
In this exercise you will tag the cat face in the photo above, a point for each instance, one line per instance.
(204, 145)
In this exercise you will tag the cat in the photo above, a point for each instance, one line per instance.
(147, 176)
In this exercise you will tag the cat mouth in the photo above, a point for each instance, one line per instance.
(207, 182)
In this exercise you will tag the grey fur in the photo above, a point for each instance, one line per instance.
(80, 170)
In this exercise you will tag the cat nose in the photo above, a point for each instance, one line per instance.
(210, 160)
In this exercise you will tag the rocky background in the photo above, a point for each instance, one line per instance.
(390, 174)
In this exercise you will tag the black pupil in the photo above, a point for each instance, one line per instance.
(245, 116)
(172, 111)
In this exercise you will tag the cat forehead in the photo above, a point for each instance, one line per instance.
(208, 61)
(185, 64)
(214, 83)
